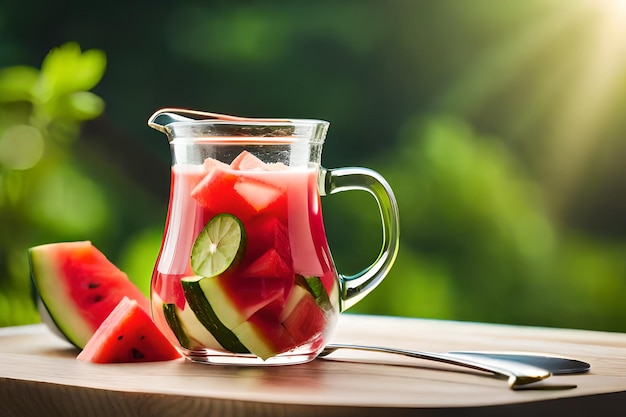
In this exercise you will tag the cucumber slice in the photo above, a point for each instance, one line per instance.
(220, 244)
(206, 315)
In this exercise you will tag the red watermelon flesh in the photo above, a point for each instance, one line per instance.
(258, 193)
(265, 232)
(267, 333)
(250, 295)
(216, 193)
(271, 266)
(247, 161)
(264, 336)
(128, 334)
(306, 319)
(236, 189)
(79, 287)
(211, 163)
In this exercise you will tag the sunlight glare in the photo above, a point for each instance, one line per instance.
(616, 6)
(591, 99)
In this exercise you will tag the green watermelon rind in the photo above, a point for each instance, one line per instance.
(49, 288)
(204, 311)
(314, 285)
(172, 319)
(188, 330)
(230, 327)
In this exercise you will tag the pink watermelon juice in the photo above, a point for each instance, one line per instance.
(280, 297)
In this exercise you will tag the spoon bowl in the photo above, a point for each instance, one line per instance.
(555, 364)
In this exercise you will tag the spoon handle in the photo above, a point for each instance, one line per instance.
(517, 374)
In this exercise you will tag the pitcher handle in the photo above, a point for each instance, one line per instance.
(355, 287)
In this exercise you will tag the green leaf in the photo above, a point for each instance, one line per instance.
(66, 70)
(17, 83)
(84, 105)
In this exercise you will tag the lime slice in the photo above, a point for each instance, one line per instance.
(219, 245)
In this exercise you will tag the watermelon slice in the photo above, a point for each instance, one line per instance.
(205, 313)
(232, 301)
(301, 321)
(302, 317)
(191, 334)
(128, 334)
(244, 315)
(79, 287)
(264, 336)
(315, 286)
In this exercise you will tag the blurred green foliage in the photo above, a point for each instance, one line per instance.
(477, 242)
(498, 124)
(43, 194)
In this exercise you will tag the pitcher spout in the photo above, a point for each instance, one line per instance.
(163, 118)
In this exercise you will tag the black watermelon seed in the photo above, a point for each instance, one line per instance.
(137, 354)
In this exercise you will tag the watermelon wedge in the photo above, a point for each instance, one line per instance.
(128, 334)
(232, 301)
(302, 317)
(264, 336)
(79, 287)
(190, 333)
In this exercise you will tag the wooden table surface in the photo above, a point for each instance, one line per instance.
(40, 376)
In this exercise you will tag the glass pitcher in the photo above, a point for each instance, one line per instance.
(244, 274)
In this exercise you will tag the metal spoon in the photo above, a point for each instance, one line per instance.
(555, 364)
(517, 373)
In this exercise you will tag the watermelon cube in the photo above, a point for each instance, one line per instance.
(265, 232)
(269, 265)
(302, 317)
(216, 193)
(257, 193)
(247, 161)
(211, 163)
